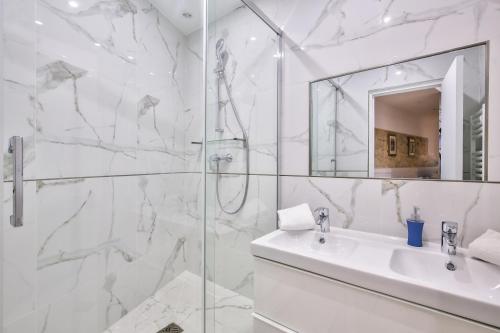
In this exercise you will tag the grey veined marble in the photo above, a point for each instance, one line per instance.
(52, 75)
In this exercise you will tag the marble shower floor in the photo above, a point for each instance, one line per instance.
(179, 301)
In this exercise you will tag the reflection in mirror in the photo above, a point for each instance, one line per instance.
(422, 119)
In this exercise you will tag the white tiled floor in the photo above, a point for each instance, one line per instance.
(179, 301)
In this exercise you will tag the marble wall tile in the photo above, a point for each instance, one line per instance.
(19, 257)
(82, 110)
(382, 206)
(229, 263)
(229, 260)
(100, 246)
(252, 79)
(19, 35)
(329, 38)
(24, 324)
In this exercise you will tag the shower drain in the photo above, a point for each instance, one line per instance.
(171, 328)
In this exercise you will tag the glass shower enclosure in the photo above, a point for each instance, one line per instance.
(139, 152)
(241, 166)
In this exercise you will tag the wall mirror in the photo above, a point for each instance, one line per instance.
(420, 119)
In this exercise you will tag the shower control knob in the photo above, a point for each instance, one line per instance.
(226, 157)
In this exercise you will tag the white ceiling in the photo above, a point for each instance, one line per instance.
(173, 10)
(425, 100)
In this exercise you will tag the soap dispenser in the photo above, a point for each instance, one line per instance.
(415, 227)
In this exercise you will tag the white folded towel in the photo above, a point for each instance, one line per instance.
(486, 247)
(296, 218)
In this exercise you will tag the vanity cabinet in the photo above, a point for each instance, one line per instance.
(292, 300)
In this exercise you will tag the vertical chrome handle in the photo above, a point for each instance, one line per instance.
(16, 149)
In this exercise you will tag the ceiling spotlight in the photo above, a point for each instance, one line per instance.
(97, 44)
(130, 57)
(253, 39)
(187, 15)
(38, 22)
(387, 19)
(398, 72)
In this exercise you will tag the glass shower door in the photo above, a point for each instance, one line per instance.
(106, 98)
(241, 158)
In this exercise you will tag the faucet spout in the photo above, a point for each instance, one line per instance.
(322, 217)
(449, 231)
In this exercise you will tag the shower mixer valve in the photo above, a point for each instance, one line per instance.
(226, 158)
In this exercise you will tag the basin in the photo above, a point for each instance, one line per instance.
(389, 266)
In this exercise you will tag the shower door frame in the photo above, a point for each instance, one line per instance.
(1, 164)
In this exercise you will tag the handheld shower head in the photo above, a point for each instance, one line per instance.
(221, 54)
(219, 47)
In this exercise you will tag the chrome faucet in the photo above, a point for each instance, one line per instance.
(449, 232)
(322, 217)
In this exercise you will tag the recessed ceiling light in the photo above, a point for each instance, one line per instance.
(73, 4)
(387, 19)
(130, 57)
(151, 73)
(38, 22)
(253, 39)
(97, 44)
(187, 15)
(399, 72)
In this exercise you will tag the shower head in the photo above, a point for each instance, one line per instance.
(219, 47)
(221, 54)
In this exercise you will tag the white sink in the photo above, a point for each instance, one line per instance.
(472, 275)
(389, 266)
(309, 242)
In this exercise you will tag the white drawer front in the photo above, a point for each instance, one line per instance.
(309, 303)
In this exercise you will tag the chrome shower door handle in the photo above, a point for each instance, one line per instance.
(16, 149)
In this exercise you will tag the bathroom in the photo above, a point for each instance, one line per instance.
(250, 166)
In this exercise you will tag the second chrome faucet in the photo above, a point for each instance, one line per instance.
(449, 232)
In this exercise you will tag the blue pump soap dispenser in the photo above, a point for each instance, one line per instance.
(415, 227)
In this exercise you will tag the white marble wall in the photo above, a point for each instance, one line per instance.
(382, 206)
(94, 248)
(252, 75)
(328, 38)
(107, 97)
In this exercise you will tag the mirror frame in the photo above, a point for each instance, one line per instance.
(486, 44)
